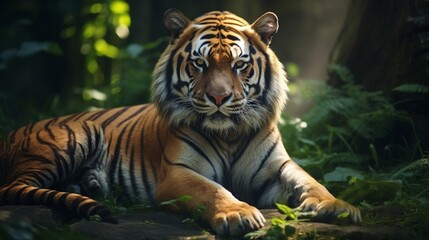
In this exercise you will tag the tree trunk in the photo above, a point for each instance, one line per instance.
(385, 44)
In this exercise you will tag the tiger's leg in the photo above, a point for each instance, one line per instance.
(225, 214)
(275, 178)
(300, 190)
(51, 157)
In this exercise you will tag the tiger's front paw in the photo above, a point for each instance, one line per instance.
(236, 219)
(328, 210)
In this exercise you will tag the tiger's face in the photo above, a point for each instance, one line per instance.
(219, 74)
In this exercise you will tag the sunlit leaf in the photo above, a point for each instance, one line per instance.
(105, 49)
(89, 94)
(96, 8)
(343, 215)
(119, 7)
(292, 69)
(92, 66)
(124, 19)
(278, 222)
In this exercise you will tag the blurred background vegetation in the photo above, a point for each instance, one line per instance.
(358, 70)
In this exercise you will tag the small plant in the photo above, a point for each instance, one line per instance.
(280, 227)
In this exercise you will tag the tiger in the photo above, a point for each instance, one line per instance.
(210, 132)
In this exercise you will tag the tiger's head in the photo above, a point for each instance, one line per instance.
(219, 74)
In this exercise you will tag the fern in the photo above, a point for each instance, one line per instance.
(420, 163)
(412, 88)
(343, 72)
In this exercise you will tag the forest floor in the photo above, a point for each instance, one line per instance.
(41, 222)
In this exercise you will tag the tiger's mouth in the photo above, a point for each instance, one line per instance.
(217, 116)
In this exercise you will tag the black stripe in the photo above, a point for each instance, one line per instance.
(179, 84)
(141, 109)
(178, 164)
(71, 150)
(98, 210)
(19, 193)
(50, 122)
(62, 200)
(74, 205)
(36, 176)
(42, 197)
(89, 137)
(112, 118)
(241, 151)
(256, 195)
(194, 146)
(132, 174)
(30, 196)
(267, 155)
(169, 74)
(121, 180)
(36, 158)
(84, 208)
(96, 115)
(210, 141)
(52, 175)
(267, 76)
(78, 116)
(115, 157)
(67, 119)
(50, 199)
(143, 168)
(208, 36)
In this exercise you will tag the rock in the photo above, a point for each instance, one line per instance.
(163, 225)
(45, 216)
(156, 225)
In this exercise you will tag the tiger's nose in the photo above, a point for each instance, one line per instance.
(218, 98)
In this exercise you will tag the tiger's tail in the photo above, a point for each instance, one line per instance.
(80, 205)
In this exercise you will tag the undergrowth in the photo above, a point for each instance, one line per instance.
(364, 150)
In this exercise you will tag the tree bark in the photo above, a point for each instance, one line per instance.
(385, 43)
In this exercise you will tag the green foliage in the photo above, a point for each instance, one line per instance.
(85, 62)
(185, 199)
(362, 148)
(412, 88)
(280, 227)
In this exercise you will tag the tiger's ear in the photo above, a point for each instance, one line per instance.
(266, 26)
(175, 21)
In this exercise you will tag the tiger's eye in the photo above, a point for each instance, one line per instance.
(239, 64)
(200, 62)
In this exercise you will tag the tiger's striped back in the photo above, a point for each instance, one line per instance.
(112, 142)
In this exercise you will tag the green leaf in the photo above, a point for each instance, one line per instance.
(256, 234)
(119, 7)
(278, 222)
(343, 215)
(412, 88)
(31, 48)
(95, 218)
(182, 199)
(287, 211)
(341, 174)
